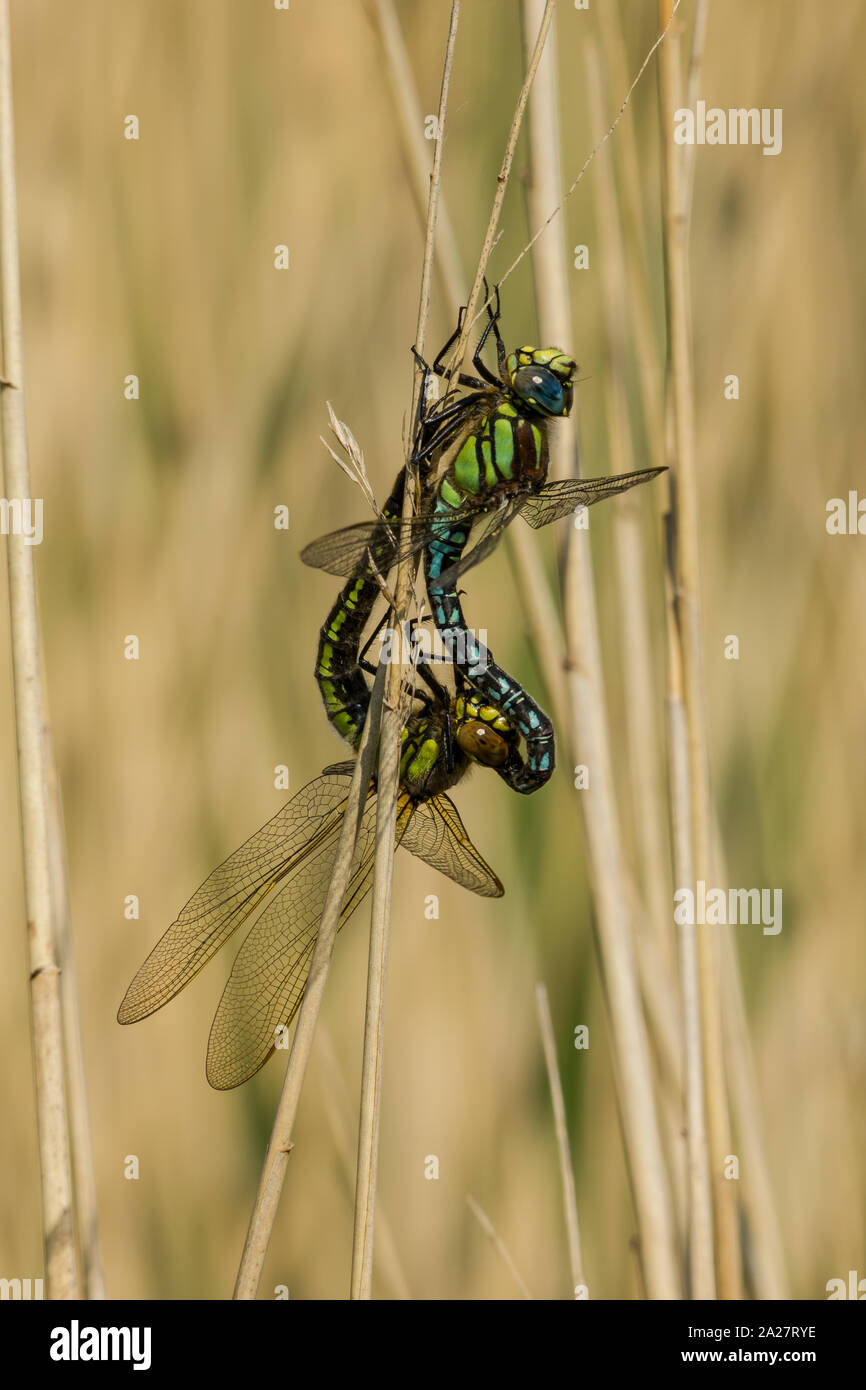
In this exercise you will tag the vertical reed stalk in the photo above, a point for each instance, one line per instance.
(685, 539)
(766, 1251)
(590, 745)
(542, 618)
(87, 1217)
(280, 1144)
(340, 1113)
(388, 783)
(569, 1195)
(415, 147)
(502, 184)
(655, 947)
(498, 1244)
(61, 1272)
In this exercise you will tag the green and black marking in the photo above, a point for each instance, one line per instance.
(445, 734)
(484, 457)
(278, 880)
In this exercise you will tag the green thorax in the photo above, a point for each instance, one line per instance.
(506, 448)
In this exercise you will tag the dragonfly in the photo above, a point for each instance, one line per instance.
(478, 727)
(279, 878)
(484, 460)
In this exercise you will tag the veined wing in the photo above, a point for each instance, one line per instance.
(437, 835)
(267, 980)
(350, 551)
(551, 502)
(304, 827)
(558, 499)
(487, 534)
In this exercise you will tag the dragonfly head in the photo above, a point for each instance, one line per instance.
(542, 379)
(482, 732)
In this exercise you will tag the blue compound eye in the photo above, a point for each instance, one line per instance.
(539, 388)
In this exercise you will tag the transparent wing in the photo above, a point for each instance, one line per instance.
(556, 500)
(267, 980)
(350, 551)
(437, 835)
(304, 827)
(487, 535)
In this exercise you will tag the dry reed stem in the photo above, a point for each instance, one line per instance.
(646, 342)
(687, 602)
(86, 1206)
(58, 1234)
(410, 126)
(544, 623)
(280, 1144)
(655, 948)
(700, 1226)
(388, 783)
(766, 1251)
(542, 619)
(338, 1108)
(696, 62)
(499, 1245)
(374, 1018)
(594, 151)
(632, 1063)
(590, 745)
(490, 235)
(645, 761)
(702, 1276)
(569, 1195)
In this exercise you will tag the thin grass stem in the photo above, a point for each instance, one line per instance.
(280, 1145)
(590, 744)
(388, 782)
(490, 235)
(686, 549)
(498, 1243)
(338, 1108)
(766, 1250)
(58, 1226)
(542, 619)
(569, 1195)
(86, 1206)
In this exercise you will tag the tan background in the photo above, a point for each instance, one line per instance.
(155, 257)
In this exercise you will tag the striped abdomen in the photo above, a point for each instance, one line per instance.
(344, 689)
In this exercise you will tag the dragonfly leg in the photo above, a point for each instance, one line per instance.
(445, 425)
(439, 368)
(438, 361)
(492, 326)
(501, 353)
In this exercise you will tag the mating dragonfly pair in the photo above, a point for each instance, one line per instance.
(482, 455)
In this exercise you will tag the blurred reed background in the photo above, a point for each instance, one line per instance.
(155, 257)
